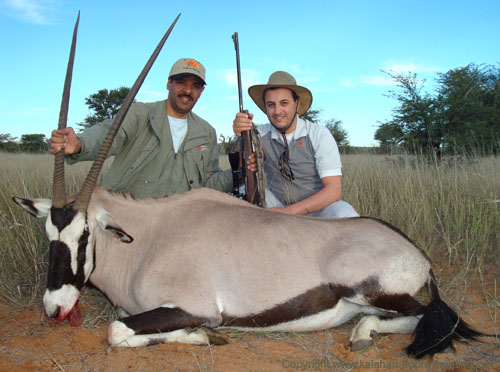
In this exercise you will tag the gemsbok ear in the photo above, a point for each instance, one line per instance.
(107, 223)
(36, 207)
(120, 234)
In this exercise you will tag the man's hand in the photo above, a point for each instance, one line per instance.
(64, 139)
(242, 122)
(252, 162)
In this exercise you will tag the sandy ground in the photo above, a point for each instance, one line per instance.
(28, 343)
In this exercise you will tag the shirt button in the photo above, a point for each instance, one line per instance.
(190, 182)
(146, 181)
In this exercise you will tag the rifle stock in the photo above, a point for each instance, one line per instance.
(234, 161)
(251, 188)
(250, 177)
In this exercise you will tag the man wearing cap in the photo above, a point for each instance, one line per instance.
(162, 148)
(302, 162)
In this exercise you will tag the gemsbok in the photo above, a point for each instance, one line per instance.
(181, 266)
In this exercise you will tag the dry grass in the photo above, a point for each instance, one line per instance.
(450, 209)
(23, 244)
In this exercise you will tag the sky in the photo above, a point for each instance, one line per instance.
(338, 49)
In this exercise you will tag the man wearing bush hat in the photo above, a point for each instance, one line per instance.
(302, 162)
(162, 148)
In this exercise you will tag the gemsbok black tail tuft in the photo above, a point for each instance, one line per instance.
(439, 326)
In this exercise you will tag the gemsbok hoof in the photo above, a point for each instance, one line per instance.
(360, 345)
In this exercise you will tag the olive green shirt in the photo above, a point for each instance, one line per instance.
(145, 163)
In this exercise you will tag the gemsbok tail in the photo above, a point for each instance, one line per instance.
(438, 327)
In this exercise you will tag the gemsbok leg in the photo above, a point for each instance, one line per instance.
(163, 325)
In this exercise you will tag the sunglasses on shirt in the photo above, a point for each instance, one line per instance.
(285, 169)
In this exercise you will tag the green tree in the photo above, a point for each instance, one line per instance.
(104, 105)
(34, 143)
(311, 115)
(8, 143)
(333, 125)
(389, 135)
(338, 132)
(417, 116)
(462, 115)
(470, 100)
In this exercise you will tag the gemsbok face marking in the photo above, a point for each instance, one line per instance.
(187, 269)
(70, 257)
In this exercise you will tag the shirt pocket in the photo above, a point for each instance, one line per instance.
(196, 154)
(303, 163)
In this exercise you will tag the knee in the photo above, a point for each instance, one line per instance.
(339, 209)
(119, 333)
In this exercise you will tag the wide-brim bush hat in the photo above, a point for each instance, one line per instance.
(281, 79)
(187, 66)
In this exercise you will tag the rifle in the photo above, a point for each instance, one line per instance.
(251, 189)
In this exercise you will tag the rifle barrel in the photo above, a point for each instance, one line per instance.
(250, 178)
(238, 69)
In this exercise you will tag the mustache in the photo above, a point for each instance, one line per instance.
(185, 95)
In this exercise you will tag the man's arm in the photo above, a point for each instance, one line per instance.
(89, 142)
(330, 193)
(91, 139)
(216, 178)
(79, 147)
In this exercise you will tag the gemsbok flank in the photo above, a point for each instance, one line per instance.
(181, 267)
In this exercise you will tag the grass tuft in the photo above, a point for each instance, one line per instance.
(450, 208)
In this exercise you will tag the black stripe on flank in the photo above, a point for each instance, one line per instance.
(322, 298)
(312, 302)
(402, 303)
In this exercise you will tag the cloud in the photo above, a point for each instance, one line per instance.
(403, 68)
(29, 111)
(30, 11)
(383, 80)
(347, 83)
(377, 80)
(307, 79)
(233, 98)
(40, 109)
(150, 95)
(248, 78)
(303, 77)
